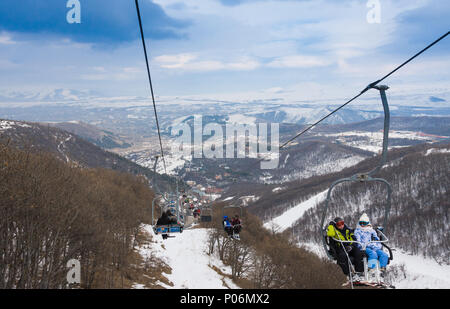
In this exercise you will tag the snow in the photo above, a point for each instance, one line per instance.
(328, 165)
(187, 255)
(434, 150)
(228, 198)
(174, 161)
(278, 189)
(248, 199)
(289, 217)
(421, 272)
(375, 139)
(241, 119)
(213, 197)
(6, 125)
(61, 145)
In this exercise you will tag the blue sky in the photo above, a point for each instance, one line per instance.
(297, 49)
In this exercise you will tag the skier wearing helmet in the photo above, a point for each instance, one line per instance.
(364, 233)
(338, 231)
(227, 226)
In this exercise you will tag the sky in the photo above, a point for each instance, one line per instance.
(223, 48)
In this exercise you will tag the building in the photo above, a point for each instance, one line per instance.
(213, 190)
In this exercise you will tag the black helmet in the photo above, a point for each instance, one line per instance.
(338, 219)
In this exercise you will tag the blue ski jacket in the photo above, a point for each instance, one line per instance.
(365, 235)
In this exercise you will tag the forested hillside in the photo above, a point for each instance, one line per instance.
(52, 212)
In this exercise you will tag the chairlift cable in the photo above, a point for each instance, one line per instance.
(150, 82)
(366, 89)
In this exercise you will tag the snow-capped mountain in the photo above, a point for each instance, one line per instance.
(70, 148)
(46, 96)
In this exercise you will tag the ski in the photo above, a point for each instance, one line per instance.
(361, 283)
(384, 286)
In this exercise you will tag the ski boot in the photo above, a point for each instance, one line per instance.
(382, 273)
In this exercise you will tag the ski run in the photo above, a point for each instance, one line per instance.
(186, 254)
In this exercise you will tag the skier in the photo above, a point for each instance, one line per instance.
(165, 219)
(186, 199)
(364, 233)
(197, 212)
(338, 230)
(172, 217)
(227, 226)
(236, 223)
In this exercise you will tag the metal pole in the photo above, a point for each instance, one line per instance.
(153, 207)
(387, 118)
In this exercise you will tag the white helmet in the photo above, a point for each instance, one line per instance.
(364, 220)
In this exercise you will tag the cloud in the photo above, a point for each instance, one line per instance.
(242, 45)
(244, 64)
(102, 21)
(239, 2)
(114, 74)
(174, 61)
(232, 2)
(6, 39)
(424, 24)
(190, 62)
(299, 61)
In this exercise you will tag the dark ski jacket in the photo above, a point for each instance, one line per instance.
(235, 222)
(166, 218)
(346, 234)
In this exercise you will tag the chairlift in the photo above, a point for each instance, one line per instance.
(169, 204)
(234, 235)
(365, 177)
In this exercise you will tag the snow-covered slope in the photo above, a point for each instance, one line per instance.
(284, 221)
(186, 254)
